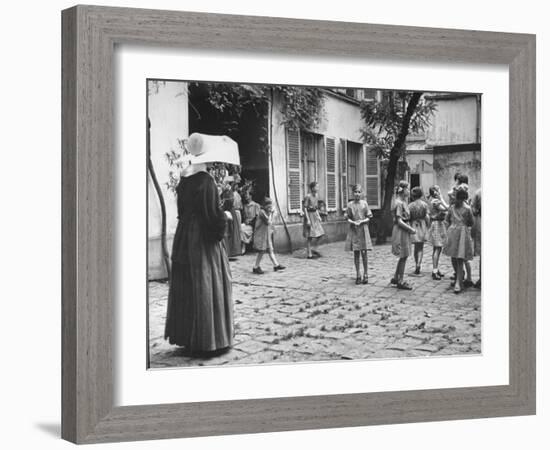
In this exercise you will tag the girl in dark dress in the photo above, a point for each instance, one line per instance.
(200, 307)
(233, 232)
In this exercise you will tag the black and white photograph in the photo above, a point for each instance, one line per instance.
(294, 224)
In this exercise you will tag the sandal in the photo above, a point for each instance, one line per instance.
(457, 290)
(257, 270)
(393, 281)
(405, 286)
(365, 280)
(436, 276)
(440, 274)
(358, 280)
(417, 270)
(468, 283)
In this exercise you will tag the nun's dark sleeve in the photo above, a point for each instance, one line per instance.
(213, 216)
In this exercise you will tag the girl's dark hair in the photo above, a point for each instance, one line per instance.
(462, 178)
(356, 187)
(266, 202)
(416, 192)
(312, 184)
(457, 174)
(461, 194)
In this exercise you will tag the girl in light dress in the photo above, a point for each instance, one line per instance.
(459, 245)
(358, 239)
(420, 221)
(263, 237)
(437, 235)
(312, 228)
(401, 234)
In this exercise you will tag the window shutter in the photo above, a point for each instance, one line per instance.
(343, 174)
(373, 179)
(294, 170)
(331, 173)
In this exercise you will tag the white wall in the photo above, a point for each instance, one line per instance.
(30, 388)
(454, 122)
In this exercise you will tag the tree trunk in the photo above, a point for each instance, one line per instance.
(395, 153)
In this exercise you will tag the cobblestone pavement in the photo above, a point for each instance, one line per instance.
(314, 311)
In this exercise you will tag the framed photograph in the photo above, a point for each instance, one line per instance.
(253, 213)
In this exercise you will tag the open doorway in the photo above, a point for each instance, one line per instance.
(248, 129)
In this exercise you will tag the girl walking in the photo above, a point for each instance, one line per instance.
(312, 228)
(263, 237)
(358, 240)
(420, 221)
(437, 235)
(459, 245)
(401, 234)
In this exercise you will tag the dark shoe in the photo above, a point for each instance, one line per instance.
(457, 290)
(440, 274)
(417, 270)
(436, 276)
(358, 280)
(279, 267)
(365, 280)
(309, 257)
(257, 270)
(405, 286)
(393, 281)
(478, 284)
(316, 253)
(468, 283)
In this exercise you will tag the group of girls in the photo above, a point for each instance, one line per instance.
(453, 228)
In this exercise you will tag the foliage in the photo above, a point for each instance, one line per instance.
(302, 107)
(384, 120)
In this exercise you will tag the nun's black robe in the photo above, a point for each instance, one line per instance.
(200, 307)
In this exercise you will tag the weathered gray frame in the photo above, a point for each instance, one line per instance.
(89, 36)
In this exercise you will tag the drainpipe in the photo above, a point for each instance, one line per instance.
(158, 190)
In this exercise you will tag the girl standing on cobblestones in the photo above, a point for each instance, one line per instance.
(312, 228)
(459, 245)
(420, 221)
(358, 240)
(437, 235)
(263, 237)
(401, 234)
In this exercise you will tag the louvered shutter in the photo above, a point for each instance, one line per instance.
(331, 173)
(343, 174)
(294, 170)
(373, 179)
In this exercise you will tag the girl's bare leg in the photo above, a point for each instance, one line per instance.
(365, 264)
(420, 254)
(356, 262)
(258, 259)
(435, 258)
(401, 269)
(455, 268)
(468, 270)
(272, 258)
(308, 247)
(416, 254)
(460, 274)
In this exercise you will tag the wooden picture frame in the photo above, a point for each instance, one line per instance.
(89, 37)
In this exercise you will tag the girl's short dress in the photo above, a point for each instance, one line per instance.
(311, 206)
(419, 221)
(358, 237)
(263, 233)
(400, 238)
(476, 228)
(437, 235)
(459, 240)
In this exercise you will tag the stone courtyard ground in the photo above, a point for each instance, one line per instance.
(314, 311)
